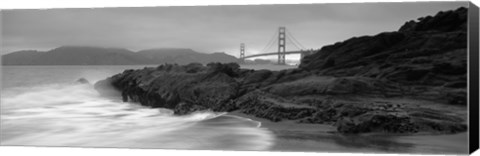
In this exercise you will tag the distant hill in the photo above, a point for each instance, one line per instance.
(80, 55)
(184, 56)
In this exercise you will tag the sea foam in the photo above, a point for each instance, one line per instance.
(76, 115)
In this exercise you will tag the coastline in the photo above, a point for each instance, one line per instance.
(299, 137)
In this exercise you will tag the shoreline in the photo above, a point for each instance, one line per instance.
(299, 137)
(286, 125)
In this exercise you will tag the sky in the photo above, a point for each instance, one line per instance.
(206, 29)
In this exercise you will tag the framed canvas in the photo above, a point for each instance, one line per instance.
(376, 78)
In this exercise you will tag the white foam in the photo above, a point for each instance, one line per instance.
(75, 115)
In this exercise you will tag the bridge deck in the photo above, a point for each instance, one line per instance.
(276, 53)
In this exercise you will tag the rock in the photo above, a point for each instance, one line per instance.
(327, 85)
(456, 97)
(82, 81)
(377, 122)
(429, 53)
(224, 87)
(184, 108)
(271, 109)
(194, 68)
(182, 88)
(457, 84)
(257, 76)
(420, 52)
(443, 21)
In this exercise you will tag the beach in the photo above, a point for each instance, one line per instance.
(295, 137)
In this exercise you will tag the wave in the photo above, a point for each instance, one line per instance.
(76, 115)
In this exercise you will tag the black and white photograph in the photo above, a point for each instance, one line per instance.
(376, 77)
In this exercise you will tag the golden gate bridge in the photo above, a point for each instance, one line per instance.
(280, 37)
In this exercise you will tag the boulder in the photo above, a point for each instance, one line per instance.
(82, 81)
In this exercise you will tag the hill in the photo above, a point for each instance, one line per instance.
(431, 51)
(82, 55)
(184, 56)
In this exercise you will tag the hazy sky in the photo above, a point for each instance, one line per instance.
(206, 28)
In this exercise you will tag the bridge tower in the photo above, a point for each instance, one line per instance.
(281, 45)
(242, 53)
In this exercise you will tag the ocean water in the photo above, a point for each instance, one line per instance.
(43, 106)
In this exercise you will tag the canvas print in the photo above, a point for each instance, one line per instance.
(353, 77)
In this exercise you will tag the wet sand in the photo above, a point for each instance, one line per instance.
(292, 136)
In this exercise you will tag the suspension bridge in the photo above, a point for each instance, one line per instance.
(281, 38)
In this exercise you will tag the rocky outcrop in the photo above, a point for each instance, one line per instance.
(409, 81)
(429, 53)
(181, 88)
(289, 95)
(389, 117)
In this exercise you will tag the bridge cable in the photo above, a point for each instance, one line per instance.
(270, 43)
(288, 38)
(268, 47)
(297, 42)
(294, 39)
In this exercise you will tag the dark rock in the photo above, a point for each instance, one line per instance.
(82, 81)
(430, 52)
(325, 85)
(443, 21)
(433, 46)
(194, 68)
(194, 86)
(458, 84)
(269, 109)
(456, 97)
(377, 122)
(184, 108)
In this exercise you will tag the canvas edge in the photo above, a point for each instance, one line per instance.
(473, 57)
